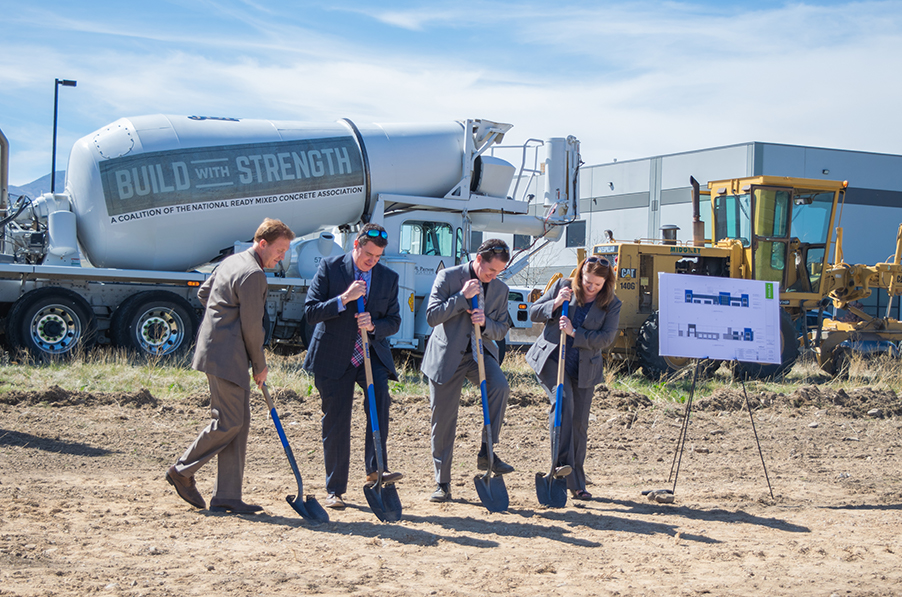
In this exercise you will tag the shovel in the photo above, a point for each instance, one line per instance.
(552, 490)
(310, 510)
(491, 489)
(383, 499)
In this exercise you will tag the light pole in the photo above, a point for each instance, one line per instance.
(56, 101)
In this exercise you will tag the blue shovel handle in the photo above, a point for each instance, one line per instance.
(565, 309)
(370, 390)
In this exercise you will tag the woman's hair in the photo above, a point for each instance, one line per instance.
(598, 266)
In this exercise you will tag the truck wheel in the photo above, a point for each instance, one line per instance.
(155, 322)
(656, 366)
(50, 322)
(502, 350)
(789, 352)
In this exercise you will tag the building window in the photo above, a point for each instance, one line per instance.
(475, 240)
(521, 242)
(576, 234)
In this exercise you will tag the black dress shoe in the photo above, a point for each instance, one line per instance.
(499, 467)
(236, 506)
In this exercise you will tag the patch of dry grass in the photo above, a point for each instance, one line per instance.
(106, 370)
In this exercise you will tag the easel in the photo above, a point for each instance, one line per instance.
(681, 440)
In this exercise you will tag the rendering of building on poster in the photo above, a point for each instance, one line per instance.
(725, 319)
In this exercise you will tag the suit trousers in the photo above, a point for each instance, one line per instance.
(575, 405)
(337, 397)
(445, 402)
(225, 437)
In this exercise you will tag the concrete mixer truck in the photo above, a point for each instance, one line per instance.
(151, 203)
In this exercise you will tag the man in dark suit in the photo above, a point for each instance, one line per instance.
(231, 335)
(335, 354)
(449, 354)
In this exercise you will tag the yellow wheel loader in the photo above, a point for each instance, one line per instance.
(771, 228)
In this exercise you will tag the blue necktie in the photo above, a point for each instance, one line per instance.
(357, 355)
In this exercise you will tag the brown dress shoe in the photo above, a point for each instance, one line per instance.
(185, 487)
(334, 501)
(236, 506)
(387, 478)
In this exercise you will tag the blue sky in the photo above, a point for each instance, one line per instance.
(630, 79)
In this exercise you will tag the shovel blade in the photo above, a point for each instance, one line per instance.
(551, 491)
(309, 510)
(384, 501)
(492, 492)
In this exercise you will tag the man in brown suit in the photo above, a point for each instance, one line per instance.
(231, 335)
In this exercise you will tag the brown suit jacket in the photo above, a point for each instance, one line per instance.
(231, 333)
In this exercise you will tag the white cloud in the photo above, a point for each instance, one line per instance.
(630, 80)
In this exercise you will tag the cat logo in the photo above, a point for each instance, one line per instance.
(441, 266)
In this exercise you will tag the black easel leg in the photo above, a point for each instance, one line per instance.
(760, 453)
(684, 431)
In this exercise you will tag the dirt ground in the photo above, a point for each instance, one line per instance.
(84, 507)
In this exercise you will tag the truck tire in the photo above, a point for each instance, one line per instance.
(502, 350)
(789, 352)
(50, 323)
(156, 323)
(655, 366)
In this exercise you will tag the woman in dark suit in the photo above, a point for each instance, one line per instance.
(590, 328)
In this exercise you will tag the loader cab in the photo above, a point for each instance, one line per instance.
(783, 224)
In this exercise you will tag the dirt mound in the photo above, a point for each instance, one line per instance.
(519, 398)
(856, 403)
(621, 399)
(57, 396)
(279, 396)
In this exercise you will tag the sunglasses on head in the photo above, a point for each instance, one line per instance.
(502, 249)
(600, 260)
(373, 233)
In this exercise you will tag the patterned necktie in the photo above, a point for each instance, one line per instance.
(473, 343)
(357, 355)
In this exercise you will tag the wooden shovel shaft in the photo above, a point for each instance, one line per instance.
(561, 363)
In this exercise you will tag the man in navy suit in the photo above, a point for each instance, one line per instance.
(335, 353)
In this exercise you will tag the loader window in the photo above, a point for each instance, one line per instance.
(426, 238)
(771, 235)
(772, 213)
(732, 218)
(811, 217)
(770, 261)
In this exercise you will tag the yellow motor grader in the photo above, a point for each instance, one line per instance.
(778, 229)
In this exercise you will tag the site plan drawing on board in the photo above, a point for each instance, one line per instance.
(706, 317)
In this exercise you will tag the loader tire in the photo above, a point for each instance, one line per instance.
(655, 366)
(789, 353)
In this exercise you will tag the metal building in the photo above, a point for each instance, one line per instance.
(633, 199)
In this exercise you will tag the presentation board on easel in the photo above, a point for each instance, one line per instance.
(725, 319)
